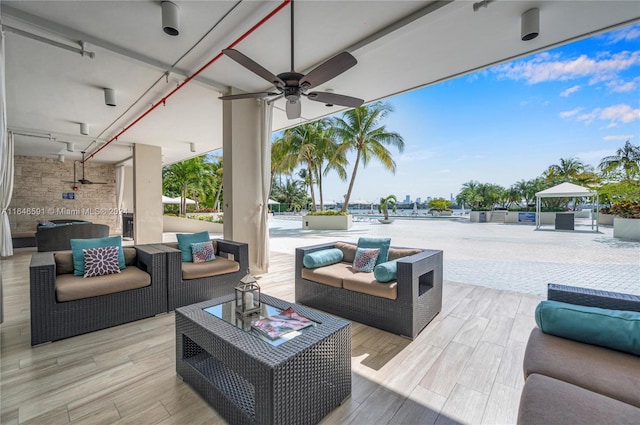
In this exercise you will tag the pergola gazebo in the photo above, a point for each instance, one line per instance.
(567, 190)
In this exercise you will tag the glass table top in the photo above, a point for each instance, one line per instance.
(271, 324)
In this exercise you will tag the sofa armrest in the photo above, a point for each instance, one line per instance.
(239, 250)
(593, 297)
(151, 259)
(418, 273)
(42, 290)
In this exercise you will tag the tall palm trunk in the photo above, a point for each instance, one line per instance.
(320, 190)
(351, 183)
(218, 193)
(313, 193)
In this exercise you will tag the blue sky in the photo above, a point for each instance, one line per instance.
(512, 121)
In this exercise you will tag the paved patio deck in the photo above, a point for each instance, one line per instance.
(512, 257)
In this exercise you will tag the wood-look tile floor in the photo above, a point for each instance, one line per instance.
(464, 368)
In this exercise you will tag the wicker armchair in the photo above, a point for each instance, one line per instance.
(181, 291)
(59, 238)
(52, 320)
(418, 301)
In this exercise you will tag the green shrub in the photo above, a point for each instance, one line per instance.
(328, 213)
(626, 209)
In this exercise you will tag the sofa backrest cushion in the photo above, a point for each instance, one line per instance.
(616, 329)
(77, 245)
(395, 253)
(64, 262)
(186, 239)
(322, 258)
(348, 251)
(380, 243)
(129, 255)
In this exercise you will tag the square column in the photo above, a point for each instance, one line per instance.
(147, 194)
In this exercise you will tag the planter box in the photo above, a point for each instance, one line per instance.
(606, 219)
(187, 225)
(327, 222)
(626, 228)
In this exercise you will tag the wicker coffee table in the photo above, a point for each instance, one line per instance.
(250, 380)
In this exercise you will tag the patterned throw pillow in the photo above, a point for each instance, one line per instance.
(202, 252)
(101, 261)
(365, 259)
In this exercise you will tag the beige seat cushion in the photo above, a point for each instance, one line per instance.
(70, 287)
(366, 283)
(210, 268)
(608, 372)
(331, 275)
(546, 400)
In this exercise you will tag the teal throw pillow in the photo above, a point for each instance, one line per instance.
(381, 243)
(322, 258)
(386, 272)
(616, 329)
(365, 259)
(78, 245)
(186, 239)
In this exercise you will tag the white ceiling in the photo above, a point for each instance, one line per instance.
(399, 45)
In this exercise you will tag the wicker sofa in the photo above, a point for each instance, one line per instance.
(64, 305)
(404, 306)
(189, 283)
(58, 238)
(571, 382)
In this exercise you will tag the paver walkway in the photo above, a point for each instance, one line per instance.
(503, 256)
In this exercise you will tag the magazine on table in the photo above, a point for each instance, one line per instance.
(278, 325)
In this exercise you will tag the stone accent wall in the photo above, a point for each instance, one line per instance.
(40, 182)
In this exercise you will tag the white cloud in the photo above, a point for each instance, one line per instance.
(571, 113)
(625, 34)
(616, 115)
(619, 137)
(570, 90)
(621, 86)
(544, 67)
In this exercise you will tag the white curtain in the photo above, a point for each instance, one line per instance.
(6, 162)
(119, 193)
(266, 115)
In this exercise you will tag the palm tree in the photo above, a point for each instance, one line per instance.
(329, 157)
(361, 130)
(186, 176)
(626, 158)
(386, 203)
(567, 171)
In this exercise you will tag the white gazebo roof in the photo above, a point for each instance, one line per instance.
(565, 190)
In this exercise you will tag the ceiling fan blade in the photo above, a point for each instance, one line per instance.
(254, 67)
(328, 70)
(258, 95)
(294, 109)
(335, 99)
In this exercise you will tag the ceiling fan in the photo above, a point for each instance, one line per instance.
(83, 180)
(293, 84)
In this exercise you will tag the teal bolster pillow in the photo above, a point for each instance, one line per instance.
(186, 239)
(380, 243)
(77, 246)
(386, 272)
(616, 329)
(321, 258)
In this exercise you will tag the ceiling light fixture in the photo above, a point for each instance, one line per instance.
(192, 146)
(110, 97)
(60, 158)
(84, 128)
(170, 18)
(69, 147)
(530, 27)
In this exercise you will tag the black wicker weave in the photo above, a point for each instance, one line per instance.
(59, 238)
(593, 297)
(249, 381)
(184, 292)
(419, 297)
(52, 320)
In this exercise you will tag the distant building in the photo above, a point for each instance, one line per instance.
(407, 198)
(419, 200)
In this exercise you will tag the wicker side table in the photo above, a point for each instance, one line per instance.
(249, 381)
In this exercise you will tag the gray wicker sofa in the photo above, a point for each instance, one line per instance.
(404, 307)
(63, 305)
(58, 238)
(571, 382)
(189, 283)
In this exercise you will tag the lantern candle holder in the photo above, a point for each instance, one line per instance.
(247, 296)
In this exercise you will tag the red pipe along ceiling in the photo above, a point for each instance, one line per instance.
(205, 66)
